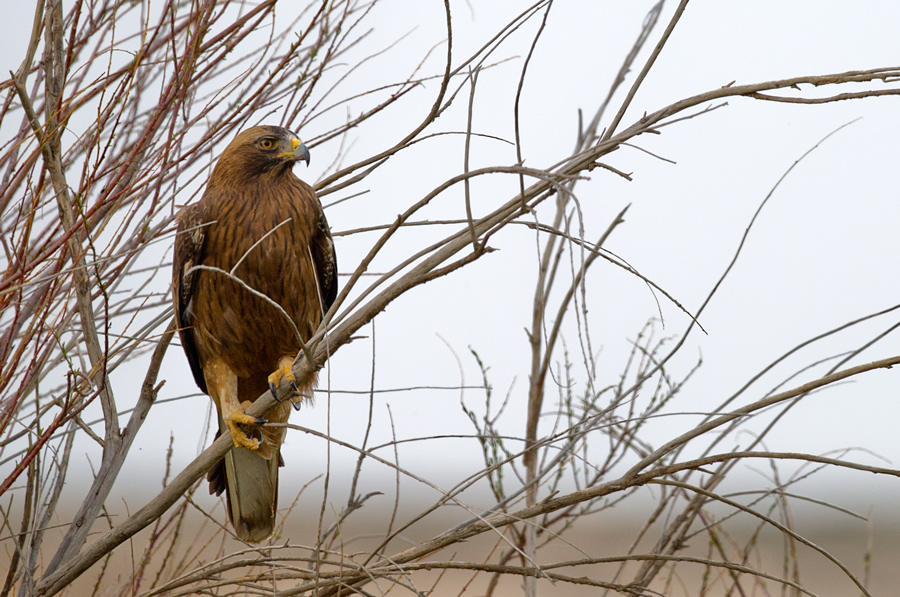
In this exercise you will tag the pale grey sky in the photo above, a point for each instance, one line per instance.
(821, 252)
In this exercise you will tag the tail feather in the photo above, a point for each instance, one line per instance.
(252, 492)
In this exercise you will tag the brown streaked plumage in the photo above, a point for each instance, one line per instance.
(257, 218)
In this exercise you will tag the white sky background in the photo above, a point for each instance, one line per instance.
(821, 253)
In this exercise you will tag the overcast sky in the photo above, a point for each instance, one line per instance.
(822, 251)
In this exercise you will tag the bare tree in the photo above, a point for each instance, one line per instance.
(113, 119)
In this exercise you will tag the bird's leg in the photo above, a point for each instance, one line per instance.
(222, 384)
(285, 371)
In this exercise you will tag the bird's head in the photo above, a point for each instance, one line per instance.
(261, 150)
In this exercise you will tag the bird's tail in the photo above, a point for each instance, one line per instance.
(252, 492)
(250, 483)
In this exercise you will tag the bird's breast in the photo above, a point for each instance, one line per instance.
(266, 292)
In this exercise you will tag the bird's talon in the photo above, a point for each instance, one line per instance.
(274, 389)
(241, 440)
(294, 386)
(251, 439)
(283, 372)
(297, 405)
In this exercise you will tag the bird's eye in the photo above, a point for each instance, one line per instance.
(267, 143)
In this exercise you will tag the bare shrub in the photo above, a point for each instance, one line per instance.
(112, 121)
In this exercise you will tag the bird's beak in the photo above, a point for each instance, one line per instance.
(298, 151)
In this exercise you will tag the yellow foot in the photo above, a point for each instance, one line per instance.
(239, 419)
(284, 371)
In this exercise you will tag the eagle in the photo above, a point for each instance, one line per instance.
(254, 271)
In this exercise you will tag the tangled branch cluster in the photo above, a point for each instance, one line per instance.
(115, 114)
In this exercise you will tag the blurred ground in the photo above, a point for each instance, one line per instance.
(870, 551)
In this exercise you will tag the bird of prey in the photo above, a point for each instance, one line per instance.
(254, 267)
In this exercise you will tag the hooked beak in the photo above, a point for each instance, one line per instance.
(299, 151)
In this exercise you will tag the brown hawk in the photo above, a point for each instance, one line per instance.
(264, 232)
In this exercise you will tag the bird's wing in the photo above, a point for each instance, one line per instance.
(190, 243)
(325, 260)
